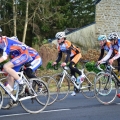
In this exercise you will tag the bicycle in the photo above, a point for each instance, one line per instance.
(52, 87)
(32, 100)
(106, 85)
(64, 79)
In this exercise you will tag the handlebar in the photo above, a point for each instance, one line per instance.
(56, 67)
(104, 62)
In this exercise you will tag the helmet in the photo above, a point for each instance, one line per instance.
(102, 37)
(112, 36)
(60, 35)
(14, 38)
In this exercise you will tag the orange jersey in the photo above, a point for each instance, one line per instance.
(68, 45)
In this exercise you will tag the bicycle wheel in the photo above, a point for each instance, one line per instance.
(39, 101)
(105, 89)
(1, 98)
(6, 97)
(52, 86)
(63, 88)
(87, 87)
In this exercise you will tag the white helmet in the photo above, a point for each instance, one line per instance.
(112, 36)
(60, 35)
(14, 37)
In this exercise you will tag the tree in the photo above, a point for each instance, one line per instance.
(44, 17)
(26, 22)
(14, 16)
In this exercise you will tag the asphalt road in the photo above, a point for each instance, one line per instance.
(72, 108)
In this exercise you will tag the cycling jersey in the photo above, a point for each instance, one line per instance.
(21, 56)
(115, 49)
(69, 49)
(106, 47)
(11, 45)
(33, 53)
(37, 61)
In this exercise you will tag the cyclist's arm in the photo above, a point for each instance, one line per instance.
(101, 54)
(59, 56)
(117, 55)
(4, 55)
(108, 55)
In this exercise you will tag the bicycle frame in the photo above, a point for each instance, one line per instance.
(22, 76)
(109, 71)
(65, 73)
(10, 94)
(15, 98)
(116, 78)
(82, 71)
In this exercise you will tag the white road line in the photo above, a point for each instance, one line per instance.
(13, 115)
(118, 103)
(55, 110)
(29, 113)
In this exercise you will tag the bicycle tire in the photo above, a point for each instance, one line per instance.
(1, 98)
(106, 89)
(40, 102)
(62, 88)
(6, 97)
(52, 86)
(87, 88)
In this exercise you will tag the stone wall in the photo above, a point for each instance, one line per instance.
(107, 17)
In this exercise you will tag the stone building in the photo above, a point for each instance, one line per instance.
(107, 17)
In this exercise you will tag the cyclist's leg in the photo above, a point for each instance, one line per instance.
(13, 66)
(35, 64)
(30, 70)
(15, 63)
(73, 63)
(10, 103)
(74, 69)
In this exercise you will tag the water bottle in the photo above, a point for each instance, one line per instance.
(78, 80)
(15, 85)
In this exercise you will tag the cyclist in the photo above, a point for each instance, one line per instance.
(105, 46)
(30, 67)
(73, 53)
(115, 41)
(13, 66)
